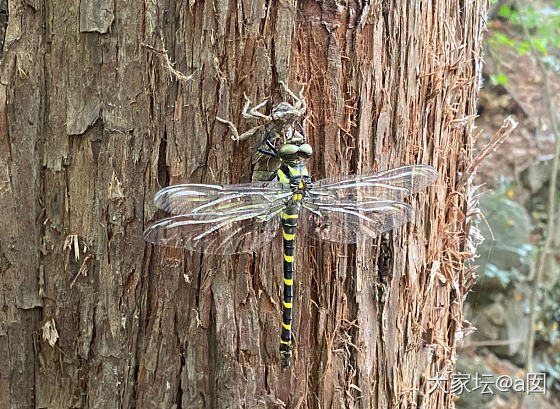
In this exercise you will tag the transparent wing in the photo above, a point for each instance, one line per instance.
(342, 209)
(221, 199)
(393, 184)
(346, 221)
(217, 233)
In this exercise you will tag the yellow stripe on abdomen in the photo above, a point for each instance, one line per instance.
(287, 236)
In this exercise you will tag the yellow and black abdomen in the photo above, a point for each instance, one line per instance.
(289, 224)
(292, 175)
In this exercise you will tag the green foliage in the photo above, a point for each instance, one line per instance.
(499, 79)
(550, 330)
(542, 26)
(523, 47)
(505, 11)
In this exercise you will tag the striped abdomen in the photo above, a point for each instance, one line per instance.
(289, 223)
(291, 174)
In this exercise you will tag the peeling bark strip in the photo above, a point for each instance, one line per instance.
(91, 125)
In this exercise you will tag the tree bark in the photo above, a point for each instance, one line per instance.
(93, 123)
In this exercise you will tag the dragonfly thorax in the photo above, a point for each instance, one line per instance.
(296, 176)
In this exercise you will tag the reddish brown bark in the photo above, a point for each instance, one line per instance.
(92, 124)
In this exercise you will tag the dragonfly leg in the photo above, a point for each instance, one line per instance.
(272, 152)
(271, 146)
(268, 153)
(247, 113)
(235, 133)
(301, 129)
(300, 106)
(254, 113)
(271, 177)
(251, 132)
(231, 126)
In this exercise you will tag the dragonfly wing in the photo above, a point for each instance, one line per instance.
(393, 184)
(346, 221)
(221, 199)
(216, 234)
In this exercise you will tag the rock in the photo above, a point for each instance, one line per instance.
(536, 176)
(488, 369)
(504, 254)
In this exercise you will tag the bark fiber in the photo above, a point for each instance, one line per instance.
(93, 123)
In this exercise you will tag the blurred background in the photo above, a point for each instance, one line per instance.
(515, 305)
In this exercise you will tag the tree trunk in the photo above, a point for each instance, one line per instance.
(93, 123)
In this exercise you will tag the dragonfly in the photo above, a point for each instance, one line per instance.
(242, 218)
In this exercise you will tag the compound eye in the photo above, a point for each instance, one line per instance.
(288, 149)
(305, 150)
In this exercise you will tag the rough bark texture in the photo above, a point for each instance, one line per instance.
(92, 124)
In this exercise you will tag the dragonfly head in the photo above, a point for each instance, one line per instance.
(295, 150)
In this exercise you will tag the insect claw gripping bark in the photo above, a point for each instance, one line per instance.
(231, 219)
